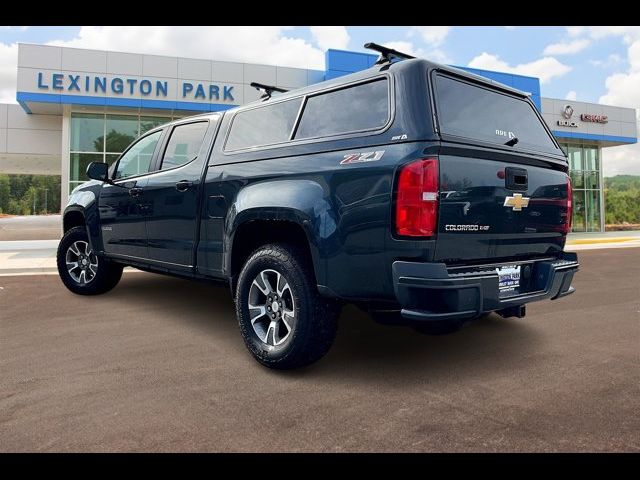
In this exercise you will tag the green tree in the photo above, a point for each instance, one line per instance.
(5, 193)
(116, 142)
(622, 199)
(18, 192)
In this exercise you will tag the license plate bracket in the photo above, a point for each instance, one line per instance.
(508, 280)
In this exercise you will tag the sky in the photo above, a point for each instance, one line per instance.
(592, 64)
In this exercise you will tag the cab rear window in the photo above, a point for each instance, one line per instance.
(478, 113)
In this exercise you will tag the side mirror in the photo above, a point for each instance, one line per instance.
(98, 171)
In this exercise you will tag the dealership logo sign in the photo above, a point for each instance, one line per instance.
(568, 123)
(127, 87)
(587, 117)
(567, 112)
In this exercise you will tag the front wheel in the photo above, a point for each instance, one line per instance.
(284, 321)
(80, 269)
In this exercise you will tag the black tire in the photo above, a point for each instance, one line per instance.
(107, 274)
(314, 321)
(442, 327)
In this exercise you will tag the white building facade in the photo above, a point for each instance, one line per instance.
(76, 106)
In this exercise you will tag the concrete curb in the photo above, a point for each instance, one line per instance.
(27, 271)
(592, 241)
(14, 272)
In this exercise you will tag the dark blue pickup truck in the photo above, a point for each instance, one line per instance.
(424, 194)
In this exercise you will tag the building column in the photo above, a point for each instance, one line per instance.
(602, 204)
(65, 157)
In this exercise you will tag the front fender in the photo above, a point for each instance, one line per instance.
(304, 202)
(85, 201)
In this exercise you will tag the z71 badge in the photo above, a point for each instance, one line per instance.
(362, 157)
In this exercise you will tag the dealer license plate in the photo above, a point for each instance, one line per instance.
(509, 280)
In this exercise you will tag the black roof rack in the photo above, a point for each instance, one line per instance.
(386, 54)
(267, 89)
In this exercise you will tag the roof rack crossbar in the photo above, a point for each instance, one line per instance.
(267, 89)
(386, 54)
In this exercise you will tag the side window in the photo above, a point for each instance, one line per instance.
(361, 107)
(184, 144)
(138, 158)
(264, 125)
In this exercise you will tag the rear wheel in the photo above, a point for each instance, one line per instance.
(284, 321)
(79, 267)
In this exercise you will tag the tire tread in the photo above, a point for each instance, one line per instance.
(323, 318)
(108, 276)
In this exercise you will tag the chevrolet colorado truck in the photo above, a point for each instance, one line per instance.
(424, 194)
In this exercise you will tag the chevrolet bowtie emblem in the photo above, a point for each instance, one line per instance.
(518, 202)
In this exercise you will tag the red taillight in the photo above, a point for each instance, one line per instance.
(568, 220)
(417, 200)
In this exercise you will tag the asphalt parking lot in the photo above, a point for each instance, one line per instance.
(158, 364)
(31, 227)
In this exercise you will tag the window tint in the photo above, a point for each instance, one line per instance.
(184, 144)
(474, 112)
(263, 125)
(138, 158)
(362, 107)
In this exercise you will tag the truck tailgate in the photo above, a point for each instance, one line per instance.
(499, 211)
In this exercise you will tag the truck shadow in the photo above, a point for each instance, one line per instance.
(396, 354)
(363, 351)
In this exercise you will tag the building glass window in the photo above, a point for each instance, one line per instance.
(592, 202)
(591, 158)
(121, 130)
(79, 164)
(111, 158)
(577, 178)
(591, 180)
(575, 157)
(89, 131)
(578, 224)
(147, 123)
(584, 170)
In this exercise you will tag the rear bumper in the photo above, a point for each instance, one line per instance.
(428, 291)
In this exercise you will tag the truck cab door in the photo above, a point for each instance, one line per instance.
(121, 206)
(172, 194)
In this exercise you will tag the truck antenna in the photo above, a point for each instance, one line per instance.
(267, 89)
(386, 54)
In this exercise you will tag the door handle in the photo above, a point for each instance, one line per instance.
(184, 185)
(135, 191)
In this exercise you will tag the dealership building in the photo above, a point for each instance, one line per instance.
(76, 106)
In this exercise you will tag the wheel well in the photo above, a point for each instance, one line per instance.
(251, 235)
(73, 219)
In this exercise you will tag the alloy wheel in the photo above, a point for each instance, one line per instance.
(271, 307)
(82, 263)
